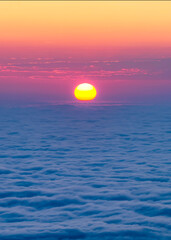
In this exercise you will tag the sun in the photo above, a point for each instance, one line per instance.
(85, 92)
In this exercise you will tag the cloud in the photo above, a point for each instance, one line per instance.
(51, 68)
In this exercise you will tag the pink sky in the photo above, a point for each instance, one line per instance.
(48, 48)
(46, 80)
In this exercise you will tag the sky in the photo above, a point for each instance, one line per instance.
(49, 47)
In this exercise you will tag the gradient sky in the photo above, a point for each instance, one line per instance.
(122, 47)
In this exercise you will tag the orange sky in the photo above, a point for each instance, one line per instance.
(49, 47)
(93, 25)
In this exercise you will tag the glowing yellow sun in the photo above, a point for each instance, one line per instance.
(85, 92)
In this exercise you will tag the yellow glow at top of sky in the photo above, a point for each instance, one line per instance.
(79, 23)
